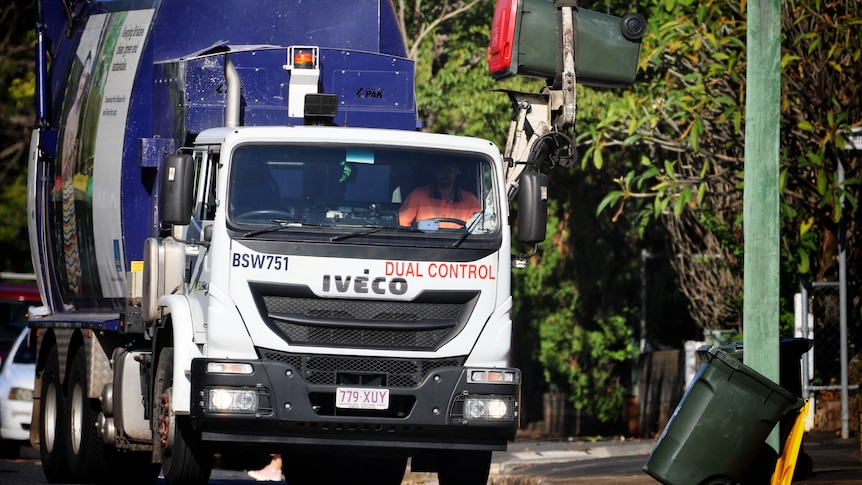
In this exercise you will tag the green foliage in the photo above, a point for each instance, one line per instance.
(573, 302)
(13, 201)
(17, 84)
(13, 230)
(686, 114)
(21, 91)
(454, 92)
(587, 359)
(575, 297)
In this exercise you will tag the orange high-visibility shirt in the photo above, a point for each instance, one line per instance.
(425, 203)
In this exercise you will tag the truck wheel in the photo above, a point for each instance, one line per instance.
(85, 448)
(463, 467)
(184, 460)
(52, 429)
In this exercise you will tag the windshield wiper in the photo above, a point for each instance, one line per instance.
(467, 231)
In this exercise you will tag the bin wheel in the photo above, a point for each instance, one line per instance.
(804, 467)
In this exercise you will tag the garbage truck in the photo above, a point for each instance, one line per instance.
(218, 224)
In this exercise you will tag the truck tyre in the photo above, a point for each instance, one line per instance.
(184, 460)
(52, 429)
(85, 448)
(463, 467)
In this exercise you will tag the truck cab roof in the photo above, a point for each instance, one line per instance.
(318, 134)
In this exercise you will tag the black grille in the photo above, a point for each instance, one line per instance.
(347, 337)
(302, 318)
(325, 370)
(368, 310)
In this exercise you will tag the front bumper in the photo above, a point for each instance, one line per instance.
(297, 403)
(15, 417)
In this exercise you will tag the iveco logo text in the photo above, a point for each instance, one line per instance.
(364, 284)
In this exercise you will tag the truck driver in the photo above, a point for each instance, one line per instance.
(443, 198)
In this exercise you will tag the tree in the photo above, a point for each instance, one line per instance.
(685, 117)
(17, 79)
(576, 301)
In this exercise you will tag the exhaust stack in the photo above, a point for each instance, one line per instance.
(233, 99)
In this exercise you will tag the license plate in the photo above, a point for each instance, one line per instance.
(361, 398)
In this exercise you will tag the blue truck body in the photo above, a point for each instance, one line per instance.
(160, 77)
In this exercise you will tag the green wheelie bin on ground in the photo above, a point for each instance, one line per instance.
(790, 352)
(720, 425)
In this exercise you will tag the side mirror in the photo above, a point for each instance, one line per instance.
(532, 207)
(177, 197)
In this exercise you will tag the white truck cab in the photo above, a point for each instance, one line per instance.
(319, 313)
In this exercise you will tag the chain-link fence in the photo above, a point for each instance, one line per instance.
(831, 369)
(824, 326)
(824, 307)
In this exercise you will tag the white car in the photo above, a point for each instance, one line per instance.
(17, 374)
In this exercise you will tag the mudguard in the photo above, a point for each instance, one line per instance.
(185, 348)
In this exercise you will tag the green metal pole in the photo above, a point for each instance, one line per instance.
(760, 199)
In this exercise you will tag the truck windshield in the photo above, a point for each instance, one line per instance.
(361, 188)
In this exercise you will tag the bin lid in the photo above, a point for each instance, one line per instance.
(795, 346)
(787, 347)
(737, 365)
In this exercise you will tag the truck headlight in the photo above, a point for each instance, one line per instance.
(484, 408)
(228, 400)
